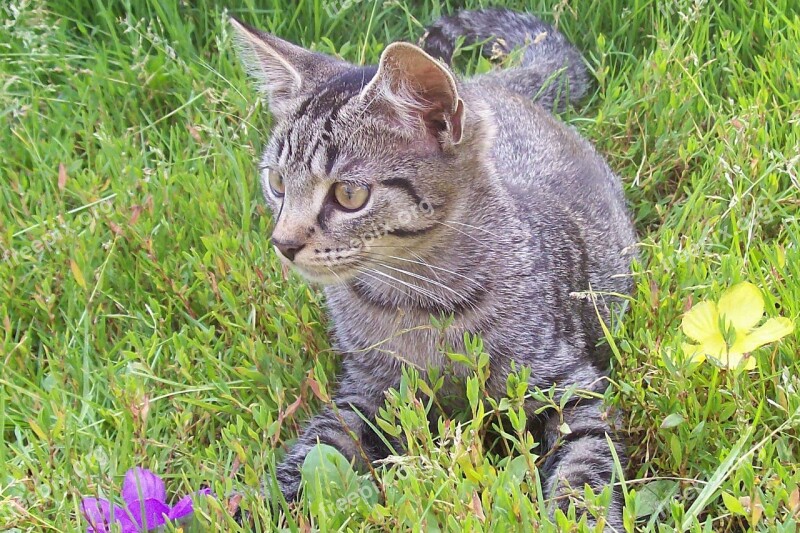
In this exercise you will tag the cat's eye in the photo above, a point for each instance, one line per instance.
(351, 196)
(276, 182)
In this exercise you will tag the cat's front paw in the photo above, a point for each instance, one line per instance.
(288, 478)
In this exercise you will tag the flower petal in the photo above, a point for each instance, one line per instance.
(185, 506)
(771, 331)
(713, 346)
(701, 321)
(743, 305)
(101, 515)
(142, 484)
(182, 508)
(692, 353)
(97, 512)
(149, 514)
(731, 359)
(734, 360)
(129, 526)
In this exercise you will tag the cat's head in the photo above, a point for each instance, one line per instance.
(363, 163)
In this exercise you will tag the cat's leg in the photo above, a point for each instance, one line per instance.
(581, 456)
(342, 425)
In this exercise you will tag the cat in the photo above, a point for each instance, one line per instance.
(409, 193)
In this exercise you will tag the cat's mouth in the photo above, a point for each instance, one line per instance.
(339, 266)
(326, 272)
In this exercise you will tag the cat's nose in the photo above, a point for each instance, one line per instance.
(288, 248)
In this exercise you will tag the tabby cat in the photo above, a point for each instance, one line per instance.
(408, 192)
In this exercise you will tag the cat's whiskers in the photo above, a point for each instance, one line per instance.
(366, 273)
(412, 252)
(475, 227)
(408, 251)
(421, 278)
(374, 266)
(332, 271)
(443, 223)
(438, 298)
(473, 283)
(423, 292)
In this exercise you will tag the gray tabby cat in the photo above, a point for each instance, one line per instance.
(408, 193)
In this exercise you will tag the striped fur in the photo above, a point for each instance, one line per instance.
(482, 206)
(551, 70)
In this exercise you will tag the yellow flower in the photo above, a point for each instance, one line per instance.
(727, 330)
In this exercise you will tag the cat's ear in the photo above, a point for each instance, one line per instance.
(419, 91)
(282, 71)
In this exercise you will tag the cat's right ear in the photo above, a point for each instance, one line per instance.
(282, 71)
(418, 92)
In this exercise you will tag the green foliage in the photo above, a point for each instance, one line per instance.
(329, 480)
(147, 322)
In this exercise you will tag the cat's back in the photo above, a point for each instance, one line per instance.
(556, 177)
(534, 149)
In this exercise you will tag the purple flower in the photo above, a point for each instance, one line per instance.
(145, 505)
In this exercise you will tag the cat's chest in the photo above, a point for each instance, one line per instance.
(407, 336)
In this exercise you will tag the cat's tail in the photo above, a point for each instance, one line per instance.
(551, 71)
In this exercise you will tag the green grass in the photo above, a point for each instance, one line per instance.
(146, 320)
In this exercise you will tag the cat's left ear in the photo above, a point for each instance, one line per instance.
(418, 91)
(282, 70)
